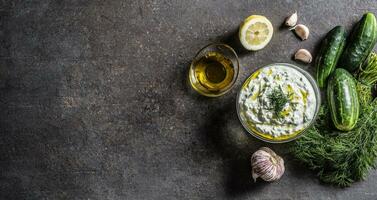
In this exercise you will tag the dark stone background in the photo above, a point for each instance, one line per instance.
(94, 102)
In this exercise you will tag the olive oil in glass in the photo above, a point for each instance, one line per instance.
(214, 70)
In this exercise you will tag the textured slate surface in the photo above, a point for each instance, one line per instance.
(94, 102)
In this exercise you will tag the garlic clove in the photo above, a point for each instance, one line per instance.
(291, 20)
(267, 165)
(303, 55)
(302, 31)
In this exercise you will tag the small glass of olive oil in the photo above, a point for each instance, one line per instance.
(214, 70)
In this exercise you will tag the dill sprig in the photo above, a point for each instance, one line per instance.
(368, 72)
(278, 100)
(365, 93)
(340, 158)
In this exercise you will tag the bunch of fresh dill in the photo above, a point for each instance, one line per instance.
(367, 77)
(368, 72)
(340, 158)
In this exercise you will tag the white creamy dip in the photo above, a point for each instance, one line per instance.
(255, 104)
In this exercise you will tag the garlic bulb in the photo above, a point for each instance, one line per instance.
(302, 31)
(303, 55)
(291, 20)
(267, 165)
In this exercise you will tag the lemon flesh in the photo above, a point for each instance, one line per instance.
(255, 32)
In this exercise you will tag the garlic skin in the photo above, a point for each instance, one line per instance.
(303, 55)
(267, 165)
(302, 31)
(291, 20)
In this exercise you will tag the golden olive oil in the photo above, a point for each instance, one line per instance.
(212, 73)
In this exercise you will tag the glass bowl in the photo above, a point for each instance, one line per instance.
(295, 135)
(228, 53)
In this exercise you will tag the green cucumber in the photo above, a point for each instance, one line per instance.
(343, 100)
(331, 48)
(360, 44)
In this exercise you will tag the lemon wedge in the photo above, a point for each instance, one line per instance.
(255, 32)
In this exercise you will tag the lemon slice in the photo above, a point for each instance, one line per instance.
(255, 32)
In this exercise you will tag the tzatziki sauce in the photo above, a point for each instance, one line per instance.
(260, 93)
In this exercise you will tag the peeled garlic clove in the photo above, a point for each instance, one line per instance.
(302, 31)
(303, 55)
(291, 20)
(267, 165)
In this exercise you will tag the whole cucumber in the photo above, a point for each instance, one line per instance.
(331, 48)
(343, 100)
(360, 44)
